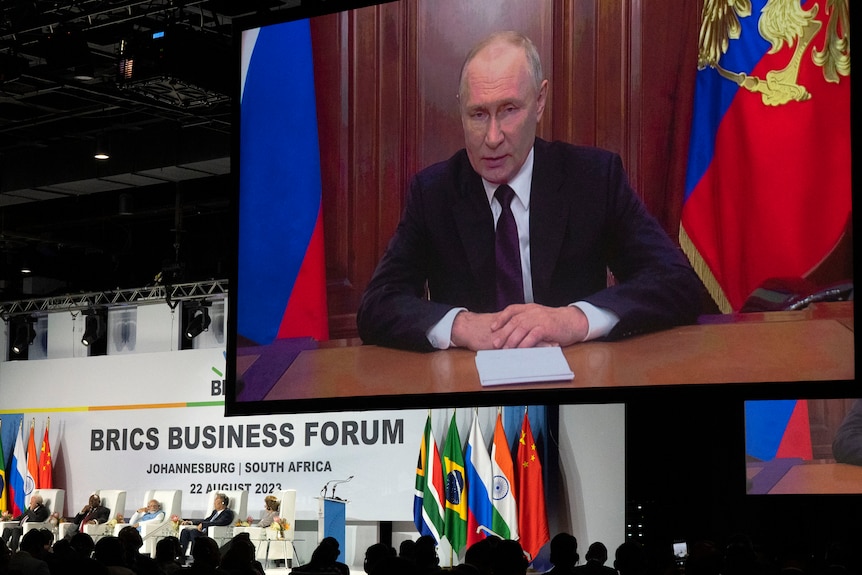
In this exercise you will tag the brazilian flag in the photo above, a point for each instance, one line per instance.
(456, 490)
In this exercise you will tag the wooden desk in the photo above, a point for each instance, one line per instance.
(814, 477)
(814, 345)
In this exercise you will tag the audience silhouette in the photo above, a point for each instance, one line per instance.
(31, 555)
(206, 557)
(111, 553)
(239, 559)
(597, 556)
(168, 555)
(425, 555)
(376, 555)
(324, 559)
(735, 555)
(564, 554)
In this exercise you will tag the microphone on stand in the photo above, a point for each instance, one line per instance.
(336, 483)
(325, 487)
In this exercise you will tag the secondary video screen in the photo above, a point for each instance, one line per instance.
(803, 446)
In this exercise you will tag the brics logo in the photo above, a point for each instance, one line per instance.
(217, 387)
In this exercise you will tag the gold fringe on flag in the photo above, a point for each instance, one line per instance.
(703, 271)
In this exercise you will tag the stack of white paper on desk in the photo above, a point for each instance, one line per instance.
(502, 366)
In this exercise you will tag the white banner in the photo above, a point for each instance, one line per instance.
(155, 421)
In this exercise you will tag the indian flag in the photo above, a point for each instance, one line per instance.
(503, 488)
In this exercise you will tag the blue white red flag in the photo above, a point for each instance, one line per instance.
(281, 271)
(480, 477)
(20, 482)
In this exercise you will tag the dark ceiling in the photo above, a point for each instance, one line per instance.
(151, 81)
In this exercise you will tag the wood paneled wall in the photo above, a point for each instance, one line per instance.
(621, 73)
(825, 417)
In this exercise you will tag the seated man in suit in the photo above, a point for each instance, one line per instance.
(508, 243)
(36, 512)
(221, 515)
(93, 513)
(152, 512)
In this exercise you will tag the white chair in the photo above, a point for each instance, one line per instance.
(237, 502)
(268, 544)
(52, 499)
(115, 501)
(153, 531)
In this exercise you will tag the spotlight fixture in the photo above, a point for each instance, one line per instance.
(199, 321)
(24, 337)
(102, 151)
(94, 328)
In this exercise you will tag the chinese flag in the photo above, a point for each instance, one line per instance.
(532, 517)
(45, 480)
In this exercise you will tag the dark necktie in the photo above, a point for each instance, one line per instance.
(87, 518)
(510, 282)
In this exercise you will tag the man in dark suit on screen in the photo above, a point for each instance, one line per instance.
(441, 282)
(221, 515)
(36, 512)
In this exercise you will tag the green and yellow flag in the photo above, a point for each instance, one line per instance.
(456, 491)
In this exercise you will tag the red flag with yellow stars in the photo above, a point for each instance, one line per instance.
(532, 516)
(46, 465)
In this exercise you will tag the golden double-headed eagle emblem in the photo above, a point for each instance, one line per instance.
(781, 21)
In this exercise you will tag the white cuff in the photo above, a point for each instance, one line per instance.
(600, 321)
(440, 334)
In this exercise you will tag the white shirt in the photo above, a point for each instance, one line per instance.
(599, 321)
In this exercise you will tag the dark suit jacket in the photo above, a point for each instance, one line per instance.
(224, 518)
(584, 218)
(38, 514)
(100, 514)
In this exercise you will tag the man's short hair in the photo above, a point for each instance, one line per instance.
(223, 497)
(516, 39)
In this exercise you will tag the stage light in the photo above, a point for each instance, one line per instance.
(94, 328)
(103, 148)
(25, 335)
(199, 321)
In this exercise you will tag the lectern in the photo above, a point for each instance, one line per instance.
(331, 521)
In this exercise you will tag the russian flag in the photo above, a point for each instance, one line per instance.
(281, 290)
(20, 482)
(480, 477)
(768, 187)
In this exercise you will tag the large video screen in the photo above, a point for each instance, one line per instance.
(329, 99)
